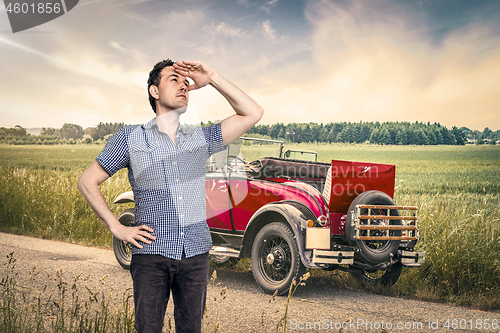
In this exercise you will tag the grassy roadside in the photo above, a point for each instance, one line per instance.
(44, 302)
(457, 190)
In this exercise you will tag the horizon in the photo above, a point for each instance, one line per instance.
(256, 125)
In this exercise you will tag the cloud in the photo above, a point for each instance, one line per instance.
(268, 31)
(371, 64)
(268, 5)
(224, 30)
(132, 51)
(187, 19)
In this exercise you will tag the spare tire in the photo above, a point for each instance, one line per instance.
(373, 251)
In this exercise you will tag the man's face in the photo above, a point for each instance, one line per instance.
(172, 92)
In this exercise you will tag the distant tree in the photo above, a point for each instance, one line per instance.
(282, 133)
(86, 139)
(263, 130)
(393, 131)
(316, 131)
(50, 131)
(93, 132)
(323, 136)
(431, 136)
(103, 129)
(331, 136)
(448, 137)
(71, 131)
(438, 135)
(16, 131)
(411, 138)
(459, 135)
(335, 129)
(422, 138)
(401, 138)
(306, 135)
(375, 136)
(346, 135)
(385, 137)
(468, 134)
(19, 131)
(487, 133)
(275, 130)
(365, 133)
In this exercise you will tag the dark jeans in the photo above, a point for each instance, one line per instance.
(154, 276)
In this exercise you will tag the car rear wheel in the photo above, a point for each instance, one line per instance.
(386, 277)
(122, 249)
(275, 258)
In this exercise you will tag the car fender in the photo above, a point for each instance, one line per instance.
(124, 198)
(295, 214)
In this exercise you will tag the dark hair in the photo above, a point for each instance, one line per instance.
(155, 77)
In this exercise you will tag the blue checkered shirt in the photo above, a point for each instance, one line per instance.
(168, 183)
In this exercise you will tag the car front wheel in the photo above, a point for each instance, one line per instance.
(275, 258)
(122, 250)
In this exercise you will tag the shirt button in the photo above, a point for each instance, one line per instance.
(177, 180)
(180, 198)
(175, 163)
(182, 234)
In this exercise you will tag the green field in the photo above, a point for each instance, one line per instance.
(457, 190)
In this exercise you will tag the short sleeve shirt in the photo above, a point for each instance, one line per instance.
(168, 182)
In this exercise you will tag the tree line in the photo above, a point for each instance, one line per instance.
(387, 133)
(67, 134)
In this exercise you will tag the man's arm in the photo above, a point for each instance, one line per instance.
(88, 184)
(248, 112)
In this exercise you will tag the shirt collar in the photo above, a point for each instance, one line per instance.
(152, 123)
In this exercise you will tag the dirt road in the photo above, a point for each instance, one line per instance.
(314, 305)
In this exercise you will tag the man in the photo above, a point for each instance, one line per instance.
(166, 169)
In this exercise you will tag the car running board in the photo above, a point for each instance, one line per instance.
(224, 251)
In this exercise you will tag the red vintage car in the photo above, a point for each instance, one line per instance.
(290, 212)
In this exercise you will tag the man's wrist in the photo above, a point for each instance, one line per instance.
(215, 79)
(113, 226)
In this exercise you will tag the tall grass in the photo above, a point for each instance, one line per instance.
(74, 306)
(47, 204)
(38, 194)
(457, 190)
(461, 236)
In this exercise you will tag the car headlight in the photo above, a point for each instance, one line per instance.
(322, 220)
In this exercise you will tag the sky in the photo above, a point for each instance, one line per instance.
(303, 61)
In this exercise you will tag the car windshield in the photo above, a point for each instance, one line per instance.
(246, 149)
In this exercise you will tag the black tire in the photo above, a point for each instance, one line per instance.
(122, 250)
(373, 252)
(384, 278)
(275, 258)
